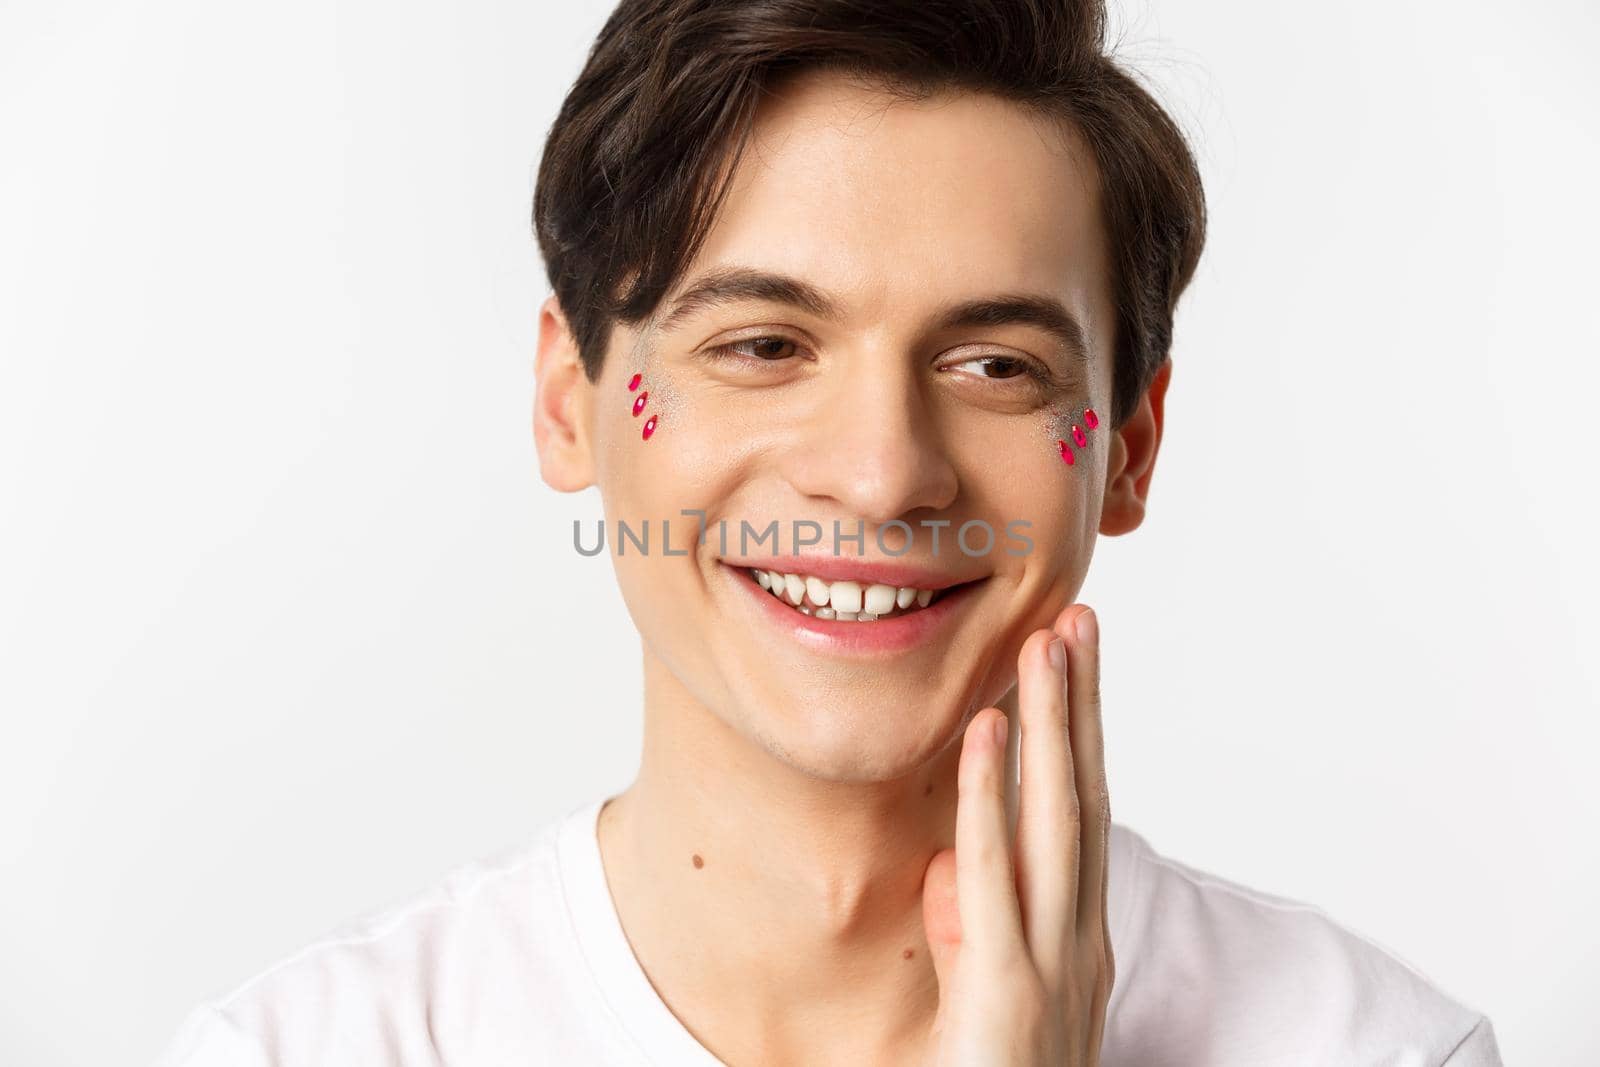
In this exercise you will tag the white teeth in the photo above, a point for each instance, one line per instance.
(878, 600)
(845, 596)
(844, 600)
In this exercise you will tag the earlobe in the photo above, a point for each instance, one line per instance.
(1132, 459)
(561, 431)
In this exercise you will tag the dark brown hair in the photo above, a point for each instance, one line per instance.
(638, 160)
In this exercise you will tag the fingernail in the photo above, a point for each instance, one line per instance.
(1088, 629)
(1058, 655)
(1000, 724)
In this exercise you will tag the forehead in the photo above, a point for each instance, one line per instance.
(895, 205)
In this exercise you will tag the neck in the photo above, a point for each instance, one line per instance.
(764, 901)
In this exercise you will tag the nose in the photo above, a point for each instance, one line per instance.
(870, 444)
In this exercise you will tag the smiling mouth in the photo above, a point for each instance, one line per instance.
(845, 600)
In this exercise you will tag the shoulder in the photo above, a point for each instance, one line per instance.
(387, 985)
(1212, 971)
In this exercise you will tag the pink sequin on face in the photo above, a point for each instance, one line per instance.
(633, 383)
(649, 427)
(638, 404)
(1066, 452)
(1078, 437)
(1090, 418)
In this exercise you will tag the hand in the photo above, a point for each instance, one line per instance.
(1024, 961)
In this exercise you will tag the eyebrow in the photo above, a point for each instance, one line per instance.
(727, 285)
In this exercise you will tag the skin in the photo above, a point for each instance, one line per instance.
(805, 827)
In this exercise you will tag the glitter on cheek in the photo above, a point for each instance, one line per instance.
(650, 380)
(664, 400)
(639, 403)
(1065, 430)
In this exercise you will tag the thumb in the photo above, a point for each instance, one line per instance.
(941, 914)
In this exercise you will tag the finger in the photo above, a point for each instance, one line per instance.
(941, 915)
(985, 883)
(1088, 753)
(1047, 815)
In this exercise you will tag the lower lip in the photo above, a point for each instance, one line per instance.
(879, 637)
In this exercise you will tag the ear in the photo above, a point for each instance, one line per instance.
(1133, 459)
(561, 427)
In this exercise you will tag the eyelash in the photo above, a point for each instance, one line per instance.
(726, 351)
(1032, 368)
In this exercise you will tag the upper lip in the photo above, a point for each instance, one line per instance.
(845, 568)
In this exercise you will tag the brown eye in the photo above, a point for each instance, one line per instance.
(998, 366)
(770, 349)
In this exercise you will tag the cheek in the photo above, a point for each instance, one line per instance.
(1074, 439)
(665, 452)
(1047, 484)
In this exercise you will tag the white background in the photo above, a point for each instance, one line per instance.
(289, 626)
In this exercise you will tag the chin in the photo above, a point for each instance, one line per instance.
(878, 739)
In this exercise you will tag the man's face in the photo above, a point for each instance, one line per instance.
(874, 405)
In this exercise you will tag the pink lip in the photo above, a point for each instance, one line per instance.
(883, 637)
(848, 568)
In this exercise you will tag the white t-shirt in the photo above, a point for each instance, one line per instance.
(521, 960)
